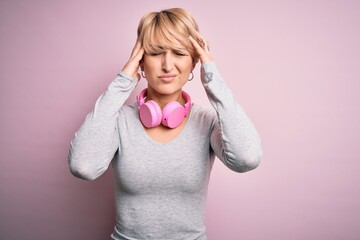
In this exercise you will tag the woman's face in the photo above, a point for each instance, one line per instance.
(167, 71)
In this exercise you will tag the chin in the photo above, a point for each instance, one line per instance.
(166, 89)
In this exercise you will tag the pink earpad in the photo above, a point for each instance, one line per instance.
(150, 114)
(173, 115)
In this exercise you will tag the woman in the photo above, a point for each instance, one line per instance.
(162, 147)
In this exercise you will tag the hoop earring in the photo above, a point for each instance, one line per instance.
(143, 74)
(192, 76)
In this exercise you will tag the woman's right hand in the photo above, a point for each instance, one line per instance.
(132, 66)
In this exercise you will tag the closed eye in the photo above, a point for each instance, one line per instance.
(154, 54)
(180, 54)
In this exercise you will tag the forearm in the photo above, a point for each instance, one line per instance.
(96, 142)
(234, 139)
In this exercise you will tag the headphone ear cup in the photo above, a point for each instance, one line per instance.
(173, 114)
(150, 114)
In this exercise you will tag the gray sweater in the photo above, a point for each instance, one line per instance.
(161, 188)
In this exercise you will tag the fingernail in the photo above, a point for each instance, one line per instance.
(190, 36)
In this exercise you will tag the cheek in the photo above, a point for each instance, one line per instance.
(186, 74)
(186, 66)
(149, 64)
(151, 71)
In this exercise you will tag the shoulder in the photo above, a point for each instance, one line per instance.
(129, 109)
(127, 113)
(203, 115)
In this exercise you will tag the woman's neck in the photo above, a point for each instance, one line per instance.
(163, 99)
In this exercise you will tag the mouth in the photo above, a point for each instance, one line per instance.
(167, 77)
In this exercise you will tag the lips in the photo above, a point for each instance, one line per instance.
(167, 77)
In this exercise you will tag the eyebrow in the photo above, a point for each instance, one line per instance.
(161, 47)
(180, 48)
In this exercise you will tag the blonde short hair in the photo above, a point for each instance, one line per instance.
(169, 28)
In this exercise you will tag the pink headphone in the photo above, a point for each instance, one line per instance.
(171, 116)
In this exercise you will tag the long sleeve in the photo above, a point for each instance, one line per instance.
(234, 138)
(96, 142)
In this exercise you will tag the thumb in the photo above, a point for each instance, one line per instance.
(138, 76)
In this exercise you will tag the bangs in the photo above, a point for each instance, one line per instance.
(158, 41)
(162, 33)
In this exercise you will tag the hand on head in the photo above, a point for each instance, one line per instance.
(132, 66)
(201, 47)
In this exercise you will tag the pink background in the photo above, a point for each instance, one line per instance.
(293, 65)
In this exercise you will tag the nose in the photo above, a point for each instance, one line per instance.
(167, 64)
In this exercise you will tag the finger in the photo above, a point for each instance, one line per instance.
(138, 76)
(134, 62)
(196, 45)
(135, 49)
(202, 51)
(132, 66)
(204, 43)
(139, 55)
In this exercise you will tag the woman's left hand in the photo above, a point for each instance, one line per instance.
(201, 47)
